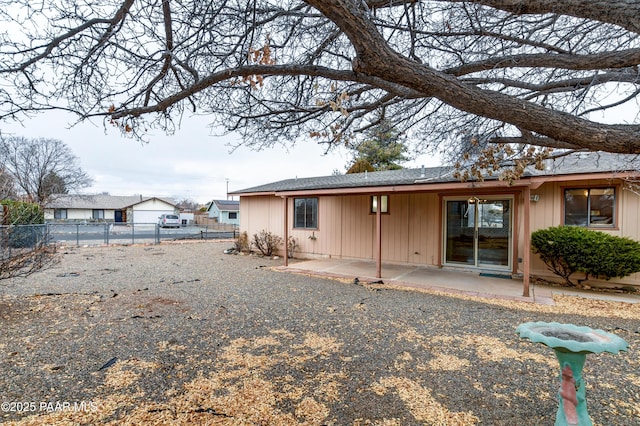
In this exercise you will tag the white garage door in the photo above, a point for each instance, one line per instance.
(149, 216)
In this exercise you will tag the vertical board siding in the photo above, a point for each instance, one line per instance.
(395, 231)
(423, 228)
(548, 211)
(358, 228)
(262, 212)
(330, 225)
(411, 232)
(326, 239)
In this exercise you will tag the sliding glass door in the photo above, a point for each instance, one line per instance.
(478, 232)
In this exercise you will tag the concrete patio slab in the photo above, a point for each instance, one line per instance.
(472, 283)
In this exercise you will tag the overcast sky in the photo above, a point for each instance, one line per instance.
(190, 164)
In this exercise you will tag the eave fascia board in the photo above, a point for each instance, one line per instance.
(432, 187)
(538, 181)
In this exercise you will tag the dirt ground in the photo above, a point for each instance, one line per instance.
(184, 334)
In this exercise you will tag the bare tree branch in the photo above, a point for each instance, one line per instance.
(531, 73)
(41, 167)
(605, 60)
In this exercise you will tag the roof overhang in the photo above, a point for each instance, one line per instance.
(420, 187)
(533, 182)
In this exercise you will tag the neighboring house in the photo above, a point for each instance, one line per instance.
(187, 218)
(225, 211)
(107, 208)
(427, 217)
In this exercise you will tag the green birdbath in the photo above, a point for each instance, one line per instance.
(571, 345)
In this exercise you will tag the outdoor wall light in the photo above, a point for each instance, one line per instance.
(384, 202)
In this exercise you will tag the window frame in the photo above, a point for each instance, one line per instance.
(313, 226)
(614, 214)
(57, 214)
(233, 215)
(100, 214)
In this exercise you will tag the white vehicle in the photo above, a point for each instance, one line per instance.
(169, 221)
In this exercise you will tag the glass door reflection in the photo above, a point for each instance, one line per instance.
(494, 229)
(478, 232)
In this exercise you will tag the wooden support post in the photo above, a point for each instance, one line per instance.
(378, 236)
(286, 231)
(526, 242)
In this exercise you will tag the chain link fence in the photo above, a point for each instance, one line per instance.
(23, 236)
(27, 236)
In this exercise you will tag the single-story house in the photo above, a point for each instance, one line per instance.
(107, 208)
(426, 216)
(225, 211)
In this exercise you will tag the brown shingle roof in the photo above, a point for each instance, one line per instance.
(592, 162)
(98, 201)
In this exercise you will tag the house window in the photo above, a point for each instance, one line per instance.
(98, 214)
(384, 202)
(593, 207)
(306, 213)
(60, 213)
(233, 215)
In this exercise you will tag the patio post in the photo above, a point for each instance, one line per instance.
(286, 231)
(379, 236)
(526, 242)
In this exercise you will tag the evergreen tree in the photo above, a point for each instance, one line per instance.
(383, 149)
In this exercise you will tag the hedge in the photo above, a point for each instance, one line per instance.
(570, 249)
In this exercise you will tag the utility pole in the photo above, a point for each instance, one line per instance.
(227, 179)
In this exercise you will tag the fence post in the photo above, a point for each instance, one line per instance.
(106, 233)
(77, 235)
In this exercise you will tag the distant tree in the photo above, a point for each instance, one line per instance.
(187, 204)
(360, 165)
(54, 184)
(7, 188)
(41, 167)
(382, 149)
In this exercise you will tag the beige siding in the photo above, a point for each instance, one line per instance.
(325, 240)
(347, 229)
(153, 204)
(329, 227)
(548, 212)
(77, 214)
(80, 214)
(263, 212)
(423, 229)
(395, 230)
(411, 232)
(358, 228)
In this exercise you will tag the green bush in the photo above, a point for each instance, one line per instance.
(570, 249)
(21, 213)
(21, 220)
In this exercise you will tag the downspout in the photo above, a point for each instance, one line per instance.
(526, 242)
(286, 231)
(378, 236)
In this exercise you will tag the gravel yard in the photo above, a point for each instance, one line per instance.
(184, 334)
